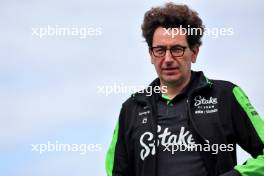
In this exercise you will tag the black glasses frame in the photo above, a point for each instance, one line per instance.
(163, 49)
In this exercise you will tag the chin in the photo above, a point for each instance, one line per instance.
(171, 79)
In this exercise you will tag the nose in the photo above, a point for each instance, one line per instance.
(168, 56)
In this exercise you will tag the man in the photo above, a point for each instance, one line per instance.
(193, 127)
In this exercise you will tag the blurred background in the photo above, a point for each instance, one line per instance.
(49, 86)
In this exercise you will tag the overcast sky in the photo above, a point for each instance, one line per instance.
(49, 85)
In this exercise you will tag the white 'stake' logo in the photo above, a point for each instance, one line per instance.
(199, 100)
(165, 138)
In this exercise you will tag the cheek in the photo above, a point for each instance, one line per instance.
(158, 65)
(185, 64)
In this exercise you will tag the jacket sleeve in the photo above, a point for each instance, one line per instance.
(116, 157)
(249, 132)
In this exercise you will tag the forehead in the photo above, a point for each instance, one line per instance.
(166, 37)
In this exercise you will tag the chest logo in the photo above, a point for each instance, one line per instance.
(165, 138)
(205, 105)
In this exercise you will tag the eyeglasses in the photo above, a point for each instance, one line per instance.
(176, 50)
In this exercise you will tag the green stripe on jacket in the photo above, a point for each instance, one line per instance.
(253, 166)
(110, 156)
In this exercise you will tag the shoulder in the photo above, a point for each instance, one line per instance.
(222, 85)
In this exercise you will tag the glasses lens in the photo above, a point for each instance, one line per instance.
(159, 51)
(177, 51)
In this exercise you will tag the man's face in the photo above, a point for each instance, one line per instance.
(170, 69)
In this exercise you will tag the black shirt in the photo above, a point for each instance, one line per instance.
(174, 131)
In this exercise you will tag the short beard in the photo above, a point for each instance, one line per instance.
(173, 83)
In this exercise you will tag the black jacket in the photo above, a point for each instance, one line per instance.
(230, 120)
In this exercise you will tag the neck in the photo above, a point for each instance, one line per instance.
(173, 89)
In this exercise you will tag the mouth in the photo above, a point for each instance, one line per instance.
(170, 71)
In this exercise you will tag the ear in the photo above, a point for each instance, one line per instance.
(151, 56)
(194, 55)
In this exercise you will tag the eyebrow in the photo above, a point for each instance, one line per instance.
(177, 45)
